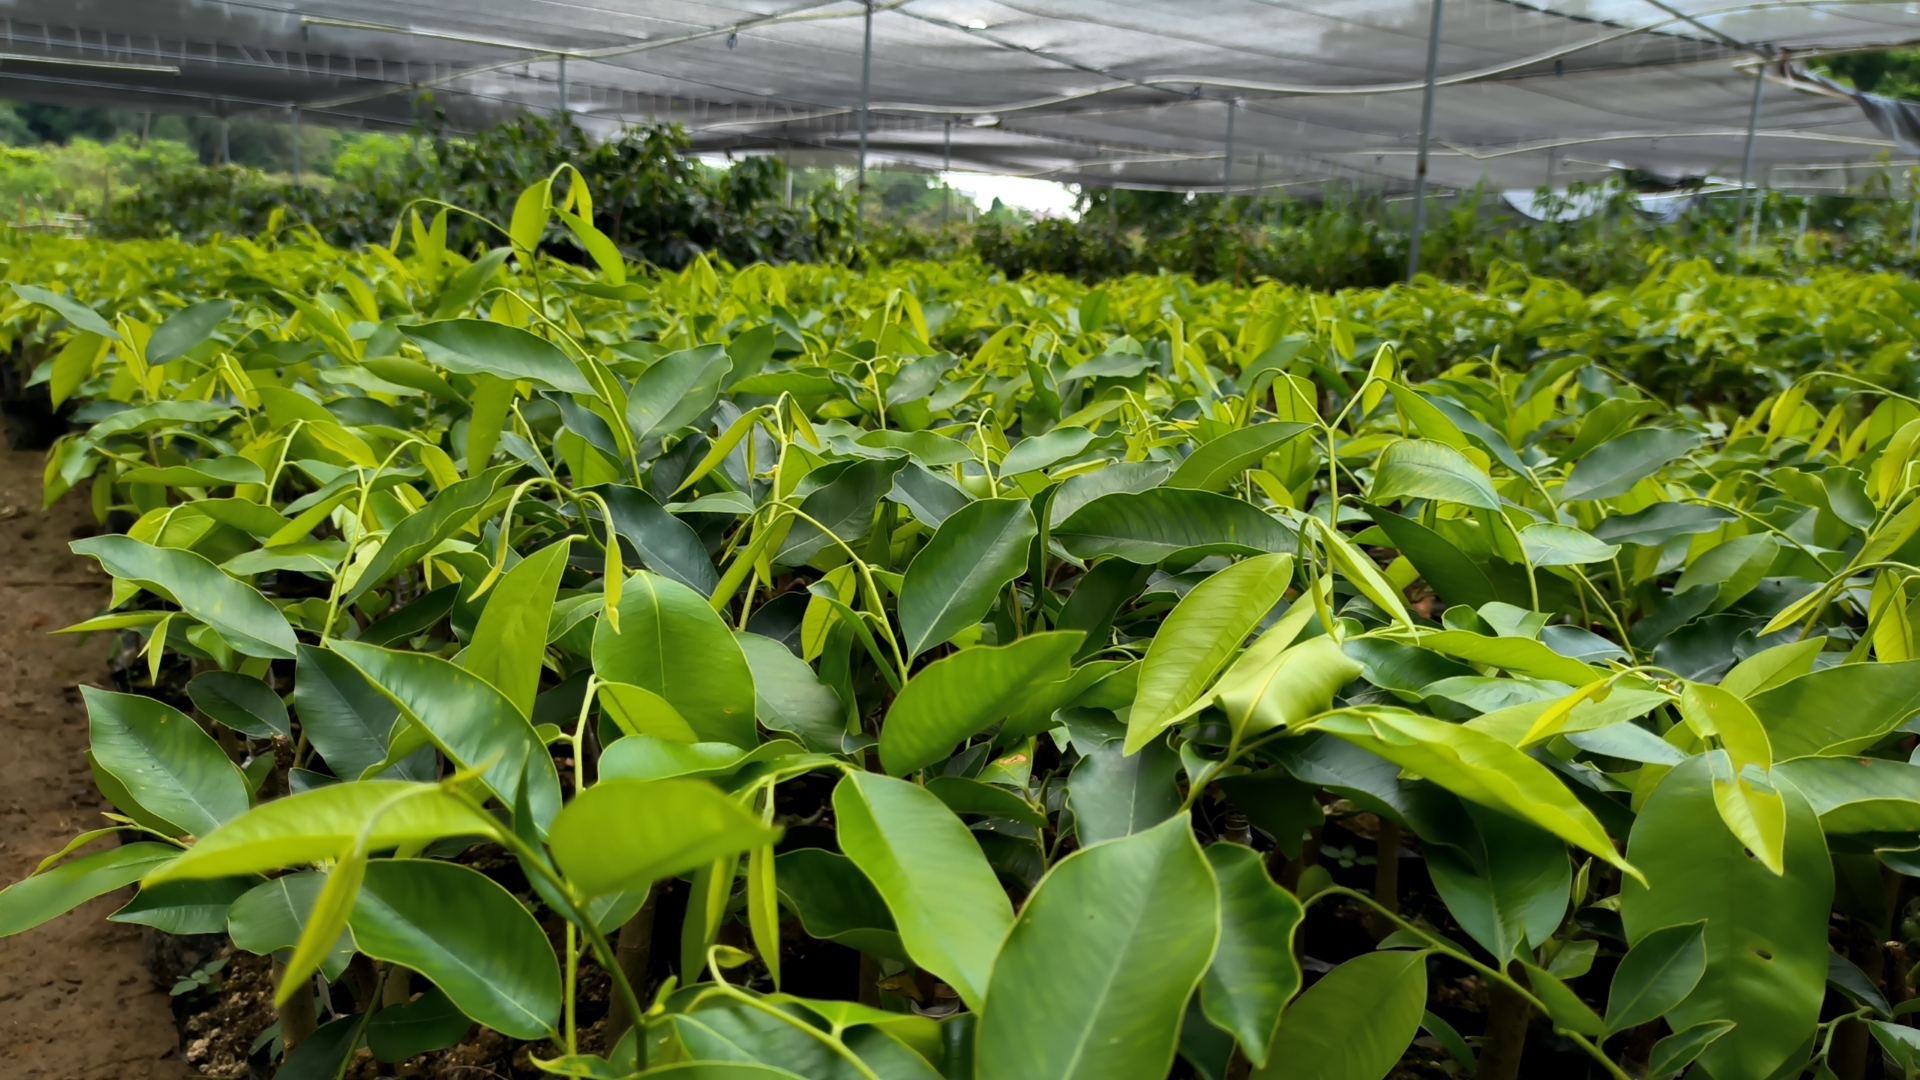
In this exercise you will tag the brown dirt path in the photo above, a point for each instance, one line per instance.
(76, 1002)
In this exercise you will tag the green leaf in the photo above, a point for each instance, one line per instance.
(1198, 638)
(1678, 1050)
(661, 542)
(427, 528)
(1479, 768)
(666, 827)
(241, 702)
(479, 347)
(186, 907)
(1265, 690)
(1801, 721)
(470, 936)
(1095, 974)
(347, 718)
(1547, 544)
(1661, 522)
(673, 644)
(323, 823)
(674, 392)
(1254, 972)
(206, 472)
(1773, 667)
(434, 1022)
(1766, 934)
(1220, 463)
(236, 611)
(1362, 572)
(1151, 526)
(185, 329)
(1858, 795)
(789, 696)
(273, 916)
(28, 903)
(835, 901)
(80, 315)
(959, 696)
(1042, 451)
(949, 908)
(1355, 1022)
(1422, 469)
(74, 364)
(1505, 881)
(955, 579)
(1114, 794)
(1454, 576)
(721, 1070)
(1657, 974)
(1564, 1007)
(165, 761)
(529, 221)
(964, 796)
(509, 642)
(1521, 656)
(844, 505)
(1612, 468)
(470, 721)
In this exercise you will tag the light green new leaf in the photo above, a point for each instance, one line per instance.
(323, 823)
(1254, 972)
(1355, 1022)
(628, 834)
(1292, 686)
(1095, 975)
(27, 903)
(1657, 974)
(1216, 465)
(1521, 656)
(671, 643)
(1505, 881)
(945, 900)
(470, 936)
(235, 610)
(165, 761)
(426, 528)
(959, 696)
(1479, 768)
(510, 640)
(470, 721)
(480, 347)
(953, 582)
(1198, 638)
(1363, 573)
(1773, 667)
(206, 472)
(1423, 469)
(1766, 933)
(1151, 526)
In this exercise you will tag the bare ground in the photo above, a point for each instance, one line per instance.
(76, 1002)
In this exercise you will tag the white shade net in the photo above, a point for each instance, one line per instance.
(1248, 93)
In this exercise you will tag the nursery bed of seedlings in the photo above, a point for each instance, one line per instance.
(557, 667)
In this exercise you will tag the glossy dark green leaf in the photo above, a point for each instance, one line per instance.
(1612, 468)
(1766, 934)
(959, 696)
(948, 906)
(165, 761)
(1858, 795)
(1660, 523)
(674, 391)
(1355, 1022)
(672, 643)
(241, 702)
(1455, 577)
(1098, 597)
(628, 834)
(426, 528)
(82, 316)
(659, 541)
(457, 927)
(835, 901)
(246, 620)
(509, 642)
(1801, 721)
(347, 719)
(1505, 881)
(27, 903)
(207, 472)
(1424, 469)
(1124, 476)
(480, 347)
(929, 497)
(417, 617)
(842, 505)
(1095, 975)
(1657, 974)
(186, 328)
(1042, 451)
(1254, 972)
(1678, 1050)
(323, 1054)
(271, 916)
(1216, 465)
(955, 579)
(1114, 794)
(470, 721)
(789, 696)
(1153, 525)
(186, 907)
(433, 1022)
(964, 796)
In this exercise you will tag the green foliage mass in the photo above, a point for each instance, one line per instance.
(1033, 641)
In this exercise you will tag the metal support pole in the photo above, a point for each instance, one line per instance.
(1226, 171)
(866, 87)
(563, 85)
(1913, 224)
(293, 117)
(1553, 158)
(1746, 163)
(226, 158)
(1759, 206)
(946, 167)
(1426, 132)
(1259, 167)
(786, 159)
